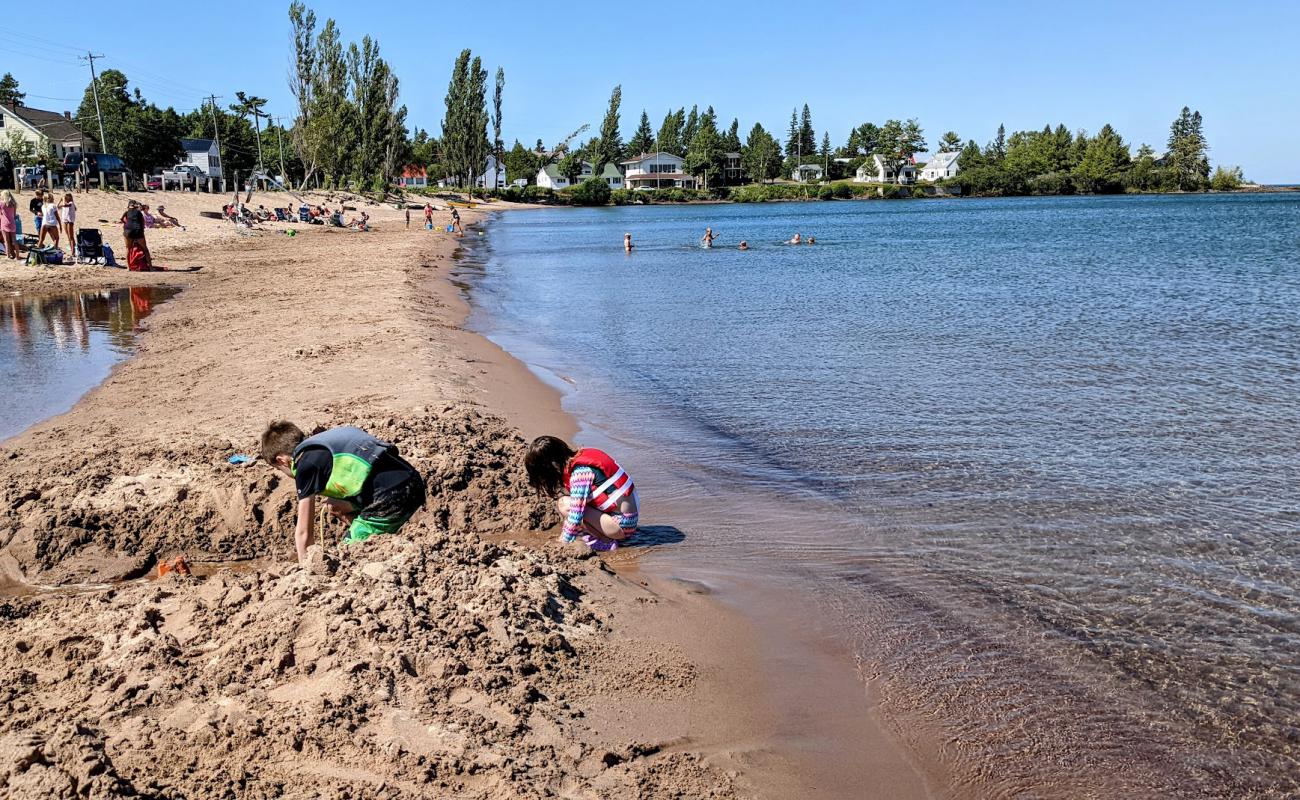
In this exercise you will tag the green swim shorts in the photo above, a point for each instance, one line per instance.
(388, 512)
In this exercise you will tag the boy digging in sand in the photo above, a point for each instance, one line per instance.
(362, 480)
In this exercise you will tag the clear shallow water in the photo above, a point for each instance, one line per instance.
(1039, 456)
(55, 348)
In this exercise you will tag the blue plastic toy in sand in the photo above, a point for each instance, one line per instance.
(238, 459)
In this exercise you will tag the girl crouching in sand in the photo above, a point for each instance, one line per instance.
(601, 501)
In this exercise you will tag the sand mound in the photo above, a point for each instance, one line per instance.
(108, 510)
(431, 663)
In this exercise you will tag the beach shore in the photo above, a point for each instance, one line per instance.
(469, 656)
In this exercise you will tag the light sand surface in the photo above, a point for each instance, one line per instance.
(469, 656)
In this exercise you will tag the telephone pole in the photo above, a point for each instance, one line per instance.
(94, 86)
(284, 174)
(216, 134)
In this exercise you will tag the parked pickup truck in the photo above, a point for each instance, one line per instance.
(183, 175)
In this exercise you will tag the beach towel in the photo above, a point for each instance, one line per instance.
(137, 256)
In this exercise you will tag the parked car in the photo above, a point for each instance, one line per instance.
(154, 183)
(112, 167)
(183, 175)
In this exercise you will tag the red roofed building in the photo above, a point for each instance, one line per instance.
(413, 177)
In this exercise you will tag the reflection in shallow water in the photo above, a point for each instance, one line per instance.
(54, 348)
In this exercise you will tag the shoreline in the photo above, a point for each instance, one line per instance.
(617, 697)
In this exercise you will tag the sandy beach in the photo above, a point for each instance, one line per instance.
(469, 656)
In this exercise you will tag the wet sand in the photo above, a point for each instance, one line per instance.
(472, 656)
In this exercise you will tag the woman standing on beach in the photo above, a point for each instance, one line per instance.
(8, 227)
(50, 220)
(68, 213)
(137, 252)
(601, 501)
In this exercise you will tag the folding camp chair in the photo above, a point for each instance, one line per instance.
(280, 215)
(90, 246)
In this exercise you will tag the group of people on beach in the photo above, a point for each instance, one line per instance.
(52, 219)
(706, 241)
(364, 482)
(452, 227)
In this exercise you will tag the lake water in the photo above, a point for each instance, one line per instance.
(55, 348)
(1036, 459)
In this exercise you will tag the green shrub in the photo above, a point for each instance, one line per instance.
(1226, 180)
(825, 192)
(918, 192)
(591, 192)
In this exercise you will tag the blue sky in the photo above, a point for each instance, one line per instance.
(963, 66)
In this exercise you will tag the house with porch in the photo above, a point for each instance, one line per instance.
(657, 171)
(940, 166)
(805, 173)
(44, 129)
(877, 171)
(203, 154)
(732, 171)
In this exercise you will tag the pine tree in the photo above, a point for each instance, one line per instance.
(689, 129)
(761, 154)
(643, 141)
(792, 138)
(1187, 151)
(807, 136)
(950, 143)
(670, 132)
(9, 94)
(609, 150)
(997, 149)
(1104, 161)
(732, 140)
(705, 157)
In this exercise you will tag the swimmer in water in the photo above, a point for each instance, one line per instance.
(796, 240)
(627, 242)
(743, 246)
(811, 240)
(707, 239)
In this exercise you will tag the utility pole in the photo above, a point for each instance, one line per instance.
(94, 86)
(284, 174)
(216, 134)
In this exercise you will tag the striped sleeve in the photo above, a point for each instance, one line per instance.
(580, 481)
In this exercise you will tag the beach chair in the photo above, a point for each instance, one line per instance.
(304, 214)
(90, 246)
(280, 216)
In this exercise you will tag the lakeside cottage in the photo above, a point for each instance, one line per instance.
(413, 177)
(732, 171)
(203, 154)
(806, 172)
(655, 171)
(876, 171)
(550, 177)
(45, 129)
(940, 166)
(493, 177)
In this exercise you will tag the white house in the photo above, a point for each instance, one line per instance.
(494, 175)
(876, 171)
(551, 178)
(806, 172)
(203, 154)
(940, 166)
(656, 170)
(42, 128)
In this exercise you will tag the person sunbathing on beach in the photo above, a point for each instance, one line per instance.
(165, 220)
(601, 501)
(796, 240)
(362, 480)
